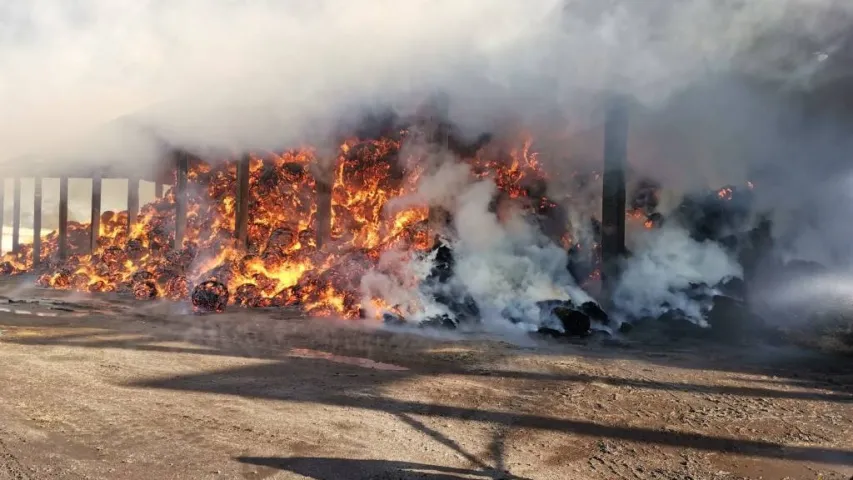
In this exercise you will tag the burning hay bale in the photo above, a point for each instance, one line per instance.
(210, 296)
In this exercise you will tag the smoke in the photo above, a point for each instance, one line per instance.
(666, 262)
(98, 81)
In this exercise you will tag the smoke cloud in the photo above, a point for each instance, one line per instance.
(99, 80)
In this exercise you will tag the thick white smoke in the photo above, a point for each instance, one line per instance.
(664, 264)
(239, 74)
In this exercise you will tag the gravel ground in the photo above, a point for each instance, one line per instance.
(102, 388)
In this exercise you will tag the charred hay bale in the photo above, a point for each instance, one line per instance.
(672, 325)
(177, 287)
(731, 319)
(443, 263)
(146, 290)
(442, 321)
(550, 332)
(135, 249)
(6, 268)
(210, 296)
(393, 319)
(293, 169)
(140, 276)
(594, 312)
(575, 322)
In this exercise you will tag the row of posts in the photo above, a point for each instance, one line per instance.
(132, 207)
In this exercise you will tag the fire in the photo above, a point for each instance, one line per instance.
(284, 263)
(725, 193)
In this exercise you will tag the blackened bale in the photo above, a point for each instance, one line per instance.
(209, 296)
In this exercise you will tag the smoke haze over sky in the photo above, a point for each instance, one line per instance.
(239, 74)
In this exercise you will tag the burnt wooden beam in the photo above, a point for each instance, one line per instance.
(613, 193)
(158, 190)
(16, 215)
(63, 217)
(132, 202)
(241, 221)
(36, 221)
(182, 166)
(95, 222)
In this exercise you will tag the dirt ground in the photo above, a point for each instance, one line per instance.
(112, 389)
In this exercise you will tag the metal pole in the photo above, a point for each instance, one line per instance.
(36, 221)
(241, 227)
(182, 163)
(16, 216)
(132, 202)
(63, 217)
(324, 211)
(613, 194)
(96, 213)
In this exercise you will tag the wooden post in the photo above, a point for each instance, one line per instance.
(96, 213)
(132, 202)
(241, 221)
(16, 215)
(63, 217)
(158, 190)
(182, 165)
(613, 194)
(36, 221)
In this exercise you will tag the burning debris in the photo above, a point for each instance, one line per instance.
(436, 274)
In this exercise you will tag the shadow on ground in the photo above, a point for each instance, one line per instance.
(338, 468)
(270, 338)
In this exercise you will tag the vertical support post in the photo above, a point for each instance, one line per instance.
(613, 198)
(2, 208)
(241, 224)
(16, 215)
(36, 221)
(96, 212)
(132, 202)
(324, 208)
(63, 217)
(158, 190)
(182, 165)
